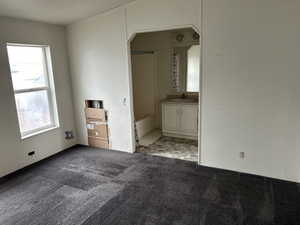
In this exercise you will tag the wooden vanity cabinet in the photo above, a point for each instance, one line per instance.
(180, 120)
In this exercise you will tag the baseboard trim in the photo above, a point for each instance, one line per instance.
(13, 173)
(180, 136)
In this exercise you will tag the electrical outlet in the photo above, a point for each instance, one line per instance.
(31, 153)
(69, 135)
(242, 155)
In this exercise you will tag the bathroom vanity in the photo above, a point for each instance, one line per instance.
(180, 118)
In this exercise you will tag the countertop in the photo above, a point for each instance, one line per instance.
(181, 101)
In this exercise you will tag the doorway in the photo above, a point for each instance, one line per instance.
(165, 85)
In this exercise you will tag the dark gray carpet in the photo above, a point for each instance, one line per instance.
(96, 187)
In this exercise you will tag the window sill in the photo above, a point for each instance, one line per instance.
(39, 133)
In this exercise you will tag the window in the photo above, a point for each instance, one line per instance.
(193, 70)
(32, 80)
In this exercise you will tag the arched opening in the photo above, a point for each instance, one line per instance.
(165, 100)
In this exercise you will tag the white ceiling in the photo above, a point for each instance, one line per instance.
(56, 11)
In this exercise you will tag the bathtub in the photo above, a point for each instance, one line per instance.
(145, 125)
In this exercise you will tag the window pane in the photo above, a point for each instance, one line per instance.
(33, 110)
(27, 66)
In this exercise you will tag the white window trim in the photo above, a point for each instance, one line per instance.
(50, 88)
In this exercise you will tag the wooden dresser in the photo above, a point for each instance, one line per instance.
(97, 128)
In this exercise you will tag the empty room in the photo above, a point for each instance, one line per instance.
(138, 112)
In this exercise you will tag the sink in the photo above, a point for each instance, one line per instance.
(187, 100)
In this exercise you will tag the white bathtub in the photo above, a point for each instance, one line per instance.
(145, 126)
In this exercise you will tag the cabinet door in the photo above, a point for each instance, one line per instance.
(189, 119)
(170, 117)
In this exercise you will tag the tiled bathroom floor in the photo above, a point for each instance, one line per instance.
(173, 148)
(150, 138)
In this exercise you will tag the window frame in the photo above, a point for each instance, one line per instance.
(48, 87)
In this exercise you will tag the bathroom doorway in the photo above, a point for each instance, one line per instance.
(165, 85)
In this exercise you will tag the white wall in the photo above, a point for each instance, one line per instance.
(99, 71)
(99, 59)
(145, 88)
(13, 151)
(145, 15)
(160, 43)
(250, 94)
(251, 88)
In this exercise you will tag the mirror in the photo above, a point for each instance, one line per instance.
(186, 68)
